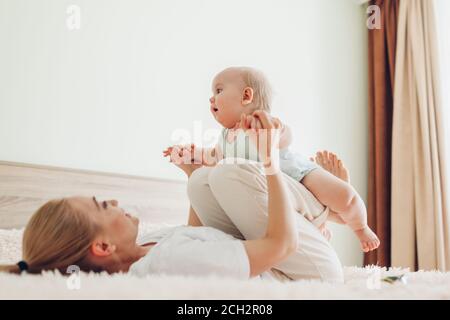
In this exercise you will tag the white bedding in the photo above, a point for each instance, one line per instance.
(360, 283)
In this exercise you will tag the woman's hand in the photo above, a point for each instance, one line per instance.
(250, 122)
(264, 132)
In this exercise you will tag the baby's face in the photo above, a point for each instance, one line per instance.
(227, 100)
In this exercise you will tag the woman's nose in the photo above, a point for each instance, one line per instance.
(115, 203)
(211, 100)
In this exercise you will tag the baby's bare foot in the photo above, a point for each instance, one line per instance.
(369, 240)
(330, 162)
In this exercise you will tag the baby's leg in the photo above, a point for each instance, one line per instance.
(331, 163)
(341, 198)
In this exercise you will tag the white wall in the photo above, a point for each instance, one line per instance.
(109, 96)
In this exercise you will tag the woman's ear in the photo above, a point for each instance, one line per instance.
(100, 248)
(247, 96)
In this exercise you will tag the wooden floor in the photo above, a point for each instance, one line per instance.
(25, 187)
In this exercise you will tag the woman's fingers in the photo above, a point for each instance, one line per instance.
(258, 124)
(277, 123)
(253, 123)
(264, 118)
(248, 123)
(243, 121)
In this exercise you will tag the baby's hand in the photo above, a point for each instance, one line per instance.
(183, 157)
(175, 153)
(183, 154)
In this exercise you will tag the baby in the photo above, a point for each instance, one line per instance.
(237, 93)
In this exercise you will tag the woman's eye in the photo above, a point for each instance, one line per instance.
(105, 205)
(219, 90)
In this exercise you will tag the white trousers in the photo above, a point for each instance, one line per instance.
(233, 198)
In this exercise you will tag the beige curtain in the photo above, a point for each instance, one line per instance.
(420, 220)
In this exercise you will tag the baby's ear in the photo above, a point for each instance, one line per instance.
(247, 96)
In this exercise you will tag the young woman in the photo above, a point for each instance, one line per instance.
(102, 237)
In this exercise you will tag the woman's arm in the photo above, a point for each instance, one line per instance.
(193, 219)
(281, 236)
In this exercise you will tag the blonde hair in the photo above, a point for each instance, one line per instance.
(262, 90)
(57, 236)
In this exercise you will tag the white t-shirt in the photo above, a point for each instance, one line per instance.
(194, 251)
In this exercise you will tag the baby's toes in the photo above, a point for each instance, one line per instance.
(319, 158)
(339, 164)
(376, 244)
(332, 157)
(365, 246)
(373, 245)
(333, 162)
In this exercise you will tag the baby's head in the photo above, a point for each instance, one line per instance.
(238, 90)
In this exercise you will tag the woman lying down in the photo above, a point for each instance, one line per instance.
(243, 223)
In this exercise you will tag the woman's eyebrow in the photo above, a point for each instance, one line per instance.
(96, 203)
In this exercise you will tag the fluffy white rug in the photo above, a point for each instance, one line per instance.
(360, 283)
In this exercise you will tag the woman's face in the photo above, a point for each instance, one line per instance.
(118, 228)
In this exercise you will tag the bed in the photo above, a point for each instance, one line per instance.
(160, 203)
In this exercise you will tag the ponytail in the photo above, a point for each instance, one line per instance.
(57, 235)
